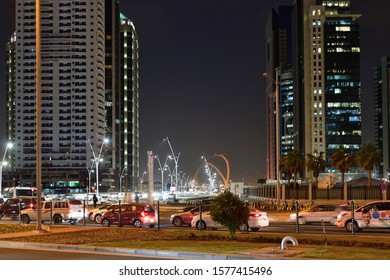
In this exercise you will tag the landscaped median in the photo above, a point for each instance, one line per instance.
(212, 242)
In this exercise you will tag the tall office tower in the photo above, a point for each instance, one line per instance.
(72, 89)
(129, 111)
(382, 121)
(327, 106)
(278, 34)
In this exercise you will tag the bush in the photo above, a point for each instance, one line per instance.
(229, 211)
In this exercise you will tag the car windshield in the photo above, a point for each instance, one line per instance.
(75, 202)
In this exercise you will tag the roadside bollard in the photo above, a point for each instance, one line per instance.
(51, 212)
(247, 221)
(120, 212)
(353, 217)
(84, 205)
(20, 211)
(297, 216)
(158, 214)
(200, 213)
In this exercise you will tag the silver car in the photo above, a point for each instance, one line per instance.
(318, 213)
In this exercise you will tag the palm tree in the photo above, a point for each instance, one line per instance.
(316, 164)
(294, 162)
(368, 157)
(342, 160)
(284, 168)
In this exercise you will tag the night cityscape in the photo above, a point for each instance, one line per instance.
(142, 113)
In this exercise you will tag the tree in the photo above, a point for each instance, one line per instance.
(368, 157)
(261, 181)
(293, 162)
(316, 164)
(283, 165)
(229, 211)
(342, 160)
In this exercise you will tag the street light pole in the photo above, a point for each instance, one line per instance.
(176, 159)
(121, 178)
(277, 131)
(9, 146)
(162, 168)
(97, 160)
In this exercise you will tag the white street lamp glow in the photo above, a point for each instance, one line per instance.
(9, 146)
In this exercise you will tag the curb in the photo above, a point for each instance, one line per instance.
(141, 252)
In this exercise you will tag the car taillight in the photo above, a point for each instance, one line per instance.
(143, 214)
(31, 205)
(256, 215)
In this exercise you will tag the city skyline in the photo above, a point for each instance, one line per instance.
(201, 83)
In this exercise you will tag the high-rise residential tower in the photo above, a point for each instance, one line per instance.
(82, 99)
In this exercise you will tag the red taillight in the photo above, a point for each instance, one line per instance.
(31, 205)
(256, 215)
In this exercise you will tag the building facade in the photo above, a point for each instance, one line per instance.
(82, 102)
(382, 121)
(325, 79)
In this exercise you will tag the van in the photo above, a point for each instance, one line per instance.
(372, 215)
(71, 210)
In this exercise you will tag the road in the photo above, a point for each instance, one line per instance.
(274, 227)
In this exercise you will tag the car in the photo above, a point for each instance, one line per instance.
(317, 213)
(92, 211)
(185, 217)
(11, 206)
(257, 219)
(96, 214)
(61, 210)
(135, 214)
(371, 215)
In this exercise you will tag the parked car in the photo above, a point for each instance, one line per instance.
(372, 215)
(96, 214)
(61, 210)
(10, 208)
(93, 211)
(136, 214)
(318, 213)
(185, 217)
(257, 219)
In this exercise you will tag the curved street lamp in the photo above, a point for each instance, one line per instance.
(162, 169)
(175, 158)
(97, 160)
(121, 176)
(9, 146)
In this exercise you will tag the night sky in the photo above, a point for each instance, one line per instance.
(200, 78)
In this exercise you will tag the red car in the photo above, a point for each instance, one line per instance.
(185, 217)
(135, 214)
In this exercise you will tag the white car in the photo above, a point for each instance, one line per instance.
(71, 210)
(257, 219)
(316, 214)
(98, 213)
(372, 215)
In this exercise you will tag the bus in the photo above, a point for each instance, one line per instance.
(19, 191)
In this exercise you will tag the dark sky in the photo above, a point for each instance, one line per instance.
(200, 77)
